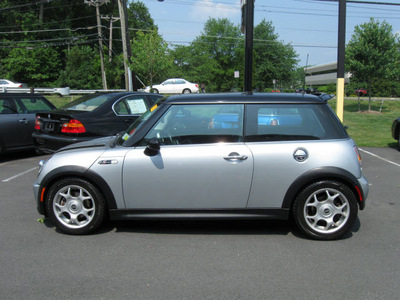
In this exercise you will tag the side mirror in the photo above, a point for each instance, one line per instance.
(153, 147)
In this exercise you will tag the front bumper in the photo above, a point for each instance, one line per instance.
(37, 193)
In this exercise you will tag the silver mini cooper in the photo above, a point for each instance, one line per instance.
(212, 156)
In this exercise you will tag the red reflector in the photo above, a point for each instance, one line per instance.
(42, 195)
(73, 126)
(359, 193)
(37, 123)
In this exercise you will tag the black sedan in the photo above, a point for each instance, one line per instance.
(92, 116)
(396, 131)
(17, 119)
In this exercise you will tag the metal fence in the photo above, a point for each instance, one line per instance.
(65, 91)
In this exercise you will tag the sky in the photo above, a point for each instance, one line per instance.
(310, 26)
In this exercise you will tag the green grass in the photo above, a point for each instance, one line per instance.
(370, 128)
(367, 128)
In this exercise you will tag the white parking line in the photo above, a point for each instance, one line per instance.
(377, 156)
(20, 174)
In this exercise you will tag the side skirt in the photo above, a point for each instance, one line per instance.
(203, 214)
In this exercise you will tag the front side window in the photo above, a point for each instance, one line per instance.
(198, 124)
(291, 122)
(8, 106)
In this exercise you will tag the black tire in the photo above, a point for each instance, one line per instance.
(398, 144)
(155, 91)
(325, 210)
(75, 206)
(186, 91)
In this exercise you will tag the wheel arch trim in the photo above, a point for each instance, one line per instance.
(75, 171)
(324, 173)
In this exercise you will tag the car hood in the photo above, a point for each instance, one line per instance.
(103, 142)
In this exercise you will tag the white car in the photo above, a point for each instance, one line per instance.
(174, 86)
(9, 84)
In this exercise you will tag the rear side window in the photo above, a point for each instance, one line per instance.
(87, 103)
(291, 122)
(33, 104)
(135, 105)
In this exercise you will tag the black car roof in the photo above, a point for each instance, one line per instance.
(247, 98)
(20, 95)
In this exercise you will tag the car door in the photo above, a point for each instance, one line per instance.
(199, 165)
(168, 87)
(9, 129)
(28, 106)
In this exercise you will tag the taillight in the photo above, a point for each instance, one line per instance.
(37, 123)
(73, 126)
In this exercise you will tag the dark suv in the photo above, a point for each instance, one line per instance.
(17, 119)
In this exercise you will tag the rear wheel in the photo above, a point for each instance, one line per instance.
(398, 144)
(186, 91)
(325, 210)
(75, 206)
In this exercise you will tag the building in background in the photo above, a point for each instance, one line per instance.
(323, 75)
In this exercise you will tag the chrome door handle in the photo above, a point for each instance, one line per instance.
(236, 156)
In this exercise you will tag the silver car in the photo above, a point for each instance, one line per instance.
(205, 156)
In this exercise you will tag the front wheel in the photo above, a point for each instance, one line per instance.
(325, 210)
(75, 206)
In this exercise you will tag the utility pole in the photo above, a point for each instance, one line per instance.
(341, 59)
(111, 19)
(97, 4)
(126, 49)
(247, 28)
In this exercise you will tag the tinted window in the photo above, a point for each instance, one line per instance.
(33, 104)
(8, 106)
(87, 103)
(286, 122)
(198, 124)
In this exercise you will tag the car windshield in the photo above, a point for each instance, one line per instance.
(88, 102)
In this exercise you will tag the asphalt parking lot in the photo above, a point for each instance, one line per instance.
(201, 260)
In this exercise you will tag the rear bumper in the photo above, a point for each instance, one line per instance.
(51, 143)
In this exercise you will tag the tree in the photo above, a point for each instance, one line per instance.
(82, 69)
(272, 59)
(139, 17)
(373, 55)
(212, 57)
(150, 56)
